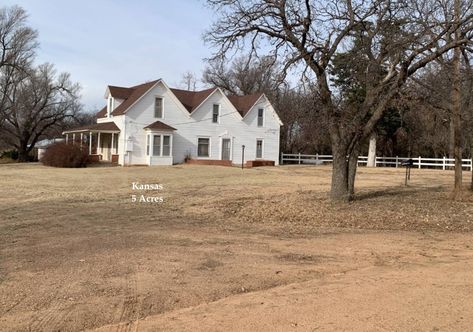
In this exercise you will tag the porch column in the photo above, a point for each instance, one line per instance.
(67, 138)
(98, 143)
(113, 136)
(81, 139)
(73, 138)
(90, 142)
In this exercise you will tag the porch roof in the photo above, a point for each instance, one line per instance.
(105, 127)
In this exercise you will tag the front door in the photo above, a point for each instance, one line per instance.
(226, 145)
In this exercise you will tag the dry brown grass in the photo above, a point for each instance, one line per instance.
(76, 253)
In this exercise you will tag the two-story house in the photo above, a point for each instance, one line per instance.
(152, 124)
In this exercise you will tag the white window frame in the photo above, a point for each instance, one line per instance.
(210, 147)
(257, 117)
(110, 106)
(161, 146)
(162, 107)
(262, 148)
(218, 113)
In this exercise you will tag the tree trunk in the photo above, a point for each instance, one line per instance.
(456, 108)
(372, 151)
(23, 154)
(352, 167)
(339, 191)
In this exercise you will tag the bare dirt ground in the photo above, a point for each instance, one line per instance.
(259, 249)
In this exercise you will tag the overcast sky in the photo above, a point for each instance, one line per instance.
(120, 42)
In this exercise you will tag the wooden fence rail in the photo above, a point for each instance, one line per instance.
(419, 162)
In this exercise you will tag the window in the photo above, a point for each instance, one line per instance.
(259, 148)
(147, 145)
(110, 106)
(157, 145)
(260, 117)
(203, 147)
(166, 145)
(215, 113)
(158, 108)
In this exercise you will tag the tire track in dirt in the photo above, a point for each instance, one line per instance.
(130, 306)
(50, 319)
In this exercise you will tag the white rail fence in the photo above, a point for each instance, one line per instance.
(419, 162)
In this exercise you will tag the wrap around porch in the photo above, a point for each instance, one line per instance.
(100, 139)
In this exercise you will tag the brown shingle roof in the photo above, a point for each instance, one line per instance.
(244, 103)
(138, 91)
(192, 99)
(102, 113)
(158, 125)
(120, 92)
(104, 126)
(130, 96)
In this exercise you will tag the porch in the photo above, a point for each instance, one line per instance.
(100, 139)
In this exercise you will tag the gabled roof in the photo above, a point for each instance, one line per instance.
(158, 125)
(192, 99)
(243, 104)
(133, 94)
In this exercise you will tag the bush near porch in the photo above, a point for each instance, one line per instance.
(65, 155)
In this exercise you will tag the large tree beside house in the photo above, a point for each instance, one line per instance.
(34, 99)
(398, 39)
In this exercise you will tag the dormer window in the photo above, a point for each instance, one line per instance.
(110, 105)
(260, 117)
(158, 107)
(215, 113)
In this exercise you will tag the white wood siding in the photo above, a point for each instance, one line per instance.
(189, 128)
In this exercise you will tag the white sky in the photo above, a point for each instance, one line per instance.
(119, 42)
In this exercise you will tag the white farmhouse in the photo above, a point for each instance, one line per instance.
(152, 124)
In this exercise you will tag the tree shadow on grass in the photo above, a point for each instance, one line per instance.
(397, 191)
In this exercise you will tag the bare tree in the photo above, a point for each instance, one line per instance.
(189, 81)
(245, 75)
(18, 43)
(399, 38)
(34, 99)
(38, 100)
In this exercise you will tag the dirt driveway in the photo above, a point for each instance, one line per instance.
(226, 251)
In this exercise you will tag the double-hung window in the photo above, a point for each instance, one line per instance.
(157, 145)
(203, 147)
(161, 145)
(215, 113)
(158, 107)
(259, 148)
(260, 117)
(166, 145)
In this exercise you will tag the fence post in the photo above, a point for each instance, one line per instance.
(316, 158)
(471, 164)
(299, 158)
(420, 161)
(443, 165)
(397, 161)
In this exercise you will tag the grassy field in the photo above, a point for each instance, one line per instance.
(77, 253)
